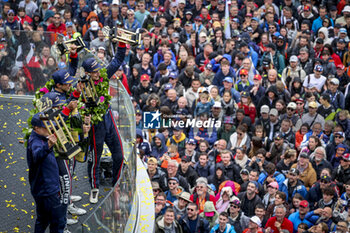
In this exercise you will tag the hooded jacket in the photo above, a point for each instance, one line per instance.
(158, 152)
(298, 188)
(266, 101)
(209, 207)
(326, 40)
(87, 24)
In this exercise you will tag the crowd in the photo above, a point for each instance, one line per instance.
(274, 73)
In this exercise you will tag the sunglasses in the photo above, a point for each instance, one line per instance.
(300, 103)
(190, 209)
(324, 181)
(243, 75)
(338, 137)
(172, 183)
(234, 206)
(290, 109)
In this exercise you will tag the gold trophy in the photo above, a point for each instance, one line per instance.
(90, 96)
(122, 35)
(54, 123)
(63, 46)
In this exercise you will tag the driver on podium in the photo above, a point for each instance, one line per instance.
(106, 130)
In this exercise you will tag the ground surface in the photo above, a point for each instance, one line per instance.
(17, 208)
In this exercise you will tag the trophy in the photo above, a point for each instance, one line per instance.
(54, 123)
(123, 35)
(90, 96)
(64, 46)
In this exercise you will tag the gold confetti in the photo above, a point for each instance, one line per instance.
(85, 205)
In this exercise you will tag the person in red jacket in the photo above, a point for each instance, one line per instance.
(279, 221)
(57, 27)
(201, 195)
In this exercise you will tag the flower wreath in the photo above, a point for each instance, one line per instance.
(102, 88)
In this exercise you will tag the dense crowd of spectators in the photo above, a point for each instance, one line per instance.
(275, 73)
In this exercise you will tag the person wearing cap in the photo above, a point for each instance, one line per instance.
(192, 222)
(254, 225)
(236, 217)
(311, 117)
(243, 84)
(269, 99)
(174, 190)
(293, 185)
(44, 178)
(142, 91)
(228, 101)
(291, 113)
(100, 134)
(248, 52)
(301, 216)
(167, 221)
(308, 174)
(277, 57)
(223, 225)
(336, 96)
(143, 145)
(187, 171)
(180, 204)
(315, 82)
(269, 197)
(342, 172)
(293, 71)
(150, 20)
(227, 129)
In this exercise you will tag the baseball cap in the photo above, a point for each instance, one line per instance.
(343, 30)
(256, 220)
(236, 202)
(236, 20)
(278, 136)
(271, 45)
(144, 77)
(292, 105)
(209, 66)
(293, 59)
(306, 8)
(153, 9)
(173, 4)
(264, 109)
(245, 94)
(244, 172)
(273, 112)
(319, 41)
(304, 204)
(141, 47)
(138, 111)
(280, 37)
(256, 19)
(188, 23)
(176, 34)
(69, 24)
(174, 178)
(276, 34)
(36, 121)
(243, 71)
(346, 157)
(105, 3)
(191, 141)
(304, 155)
(257, 77)
(228, 120)
(202, 34)
(313, 104)
(249, 15)
(161, 9)
(335, 81)
(10, 12)
(152, 160)
(188, 13)
(217, 105)
(294, 171)
(273, 184)
(168, 86)
(340, 134)
(346, 9)
(182, 1)
(228, 79)
(62, 77)
(54, 98)
(216, 24)
(198, 18)
(173, 75)
(91, 65)
(341, 145)
(186, 158)
(318, 68)
(340, 66)
(94, 26)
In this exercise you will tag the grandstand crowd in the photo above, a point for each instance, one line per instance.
(275, 73)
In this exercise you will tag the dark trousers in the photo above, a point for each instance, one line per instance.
(105, 131)
(50, 212)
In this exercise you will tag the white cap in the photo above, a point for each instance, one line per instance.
(346, 9)
(94, 26)
(182, 1)
(335, 81)
(292, 105)
(256, 220)
(115, 2)
(202, 34)
(217, 105)
(293, 59)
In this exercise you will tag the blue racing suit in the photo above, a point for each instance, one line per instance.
(107, 131)
(44, 183)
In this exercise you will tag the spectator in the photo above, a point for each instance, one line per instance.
(192, 222)
(223, 225)
(249, 198)
(168, 221)
(279, 222)
(201, 196)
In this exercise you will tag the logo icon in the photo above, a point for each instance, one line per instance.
(151, 120)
